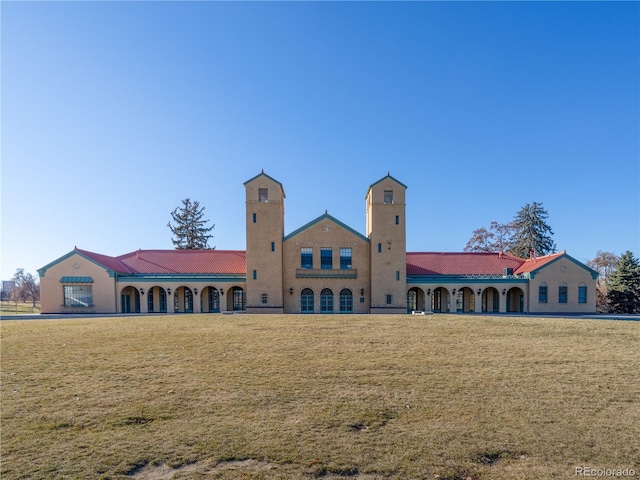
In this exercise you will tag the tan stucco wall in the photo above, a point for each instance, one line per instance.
(563, 271)
(326, 233)
(103, 286)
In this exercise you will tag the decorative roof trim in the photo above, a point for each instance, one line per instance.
(322, 217)
(75, 251)
(387, 177)
(262, 174)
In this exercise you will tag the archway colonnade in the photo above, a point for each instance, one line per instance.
(180, 299)
(492, 299)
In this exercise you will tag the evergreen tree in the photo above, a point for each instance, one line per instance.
(531, 232)
(624, 286)
(190, 231)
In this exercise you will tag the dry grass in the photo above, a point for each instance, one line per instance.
(18, 308)
(368, 397)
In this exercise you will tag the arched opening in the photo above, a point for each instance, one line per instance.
(129, 300)
(346, 301)
(440, 300)
(415, 300)
(239, 299)
(515, 300)
(465, 300)
(157, 300)
(490, 300)
(306, 301)
(210, 300)
(183, 300)
(326, 301)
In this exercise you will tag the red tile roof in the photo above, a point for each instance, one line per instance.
(175, 261)
(454, 263)
(537, 262)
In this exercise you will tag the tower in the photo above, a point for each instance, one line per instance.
(386, 230)
(265, 231)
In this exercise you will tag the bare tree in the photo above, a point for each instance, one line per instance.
(26, 288)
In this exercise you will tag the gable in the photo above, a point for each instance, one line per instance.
(534, 266)
(110, 264)
(327, 222)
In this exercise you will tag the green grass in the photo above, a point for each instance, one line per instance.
(389, 397)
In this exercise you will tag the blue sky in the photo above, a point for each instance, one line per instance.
(112, 113)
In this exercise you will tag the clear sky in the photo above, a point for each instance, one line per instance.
(113, 112)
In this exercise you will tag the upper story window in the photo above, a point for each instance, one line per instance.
(326, 258)
(388, 196)
(306, 257)
(263, 194)
(345, 259)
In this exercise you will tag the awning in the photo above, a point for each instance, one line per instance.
(76, 280)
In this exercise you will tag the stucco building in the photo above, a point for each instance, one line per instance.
(324, 266)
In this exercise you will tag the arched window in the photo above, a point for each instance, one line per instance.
(306, 301)
(346, 301)
(326, 301)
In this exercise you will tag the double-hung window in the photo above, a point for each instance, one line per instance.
(543, 294)
(562, 293)
(582, 293)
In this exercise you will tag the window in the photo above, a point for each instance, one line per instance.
(306, 301)
(582, 293)
(346, 301)
(255, 274)
(326, 301)
(345, 259)
(254, 218)
(397, 275)
(78, 296)
(389, 299)
(543, 293)
(150, 301)
(326, 258)
(397, 219)
(273, 246)
(263, 195)
(379, 248)
(562, 293)
(306, 257)
(388, 196)
(264, 298)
